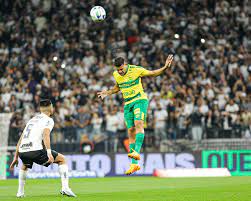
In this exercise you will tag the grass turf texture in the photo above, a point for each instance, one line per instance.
(134, 189)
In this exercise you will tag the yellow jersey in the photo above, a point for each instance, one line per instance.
(130, 84)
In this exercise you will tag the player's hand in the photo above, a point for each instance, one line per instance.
(14, 162)
(169, 60)
(51, 159)
(102, 94)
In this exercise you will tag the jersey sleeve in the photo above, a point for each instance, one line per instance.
(142, 71)
(49, 123)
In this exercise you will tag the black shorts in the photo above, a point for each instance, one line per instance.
(40, 157)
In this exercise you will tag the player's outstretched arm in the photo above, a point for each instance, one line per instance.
(161, 70)
(104, 93)
(15, 160)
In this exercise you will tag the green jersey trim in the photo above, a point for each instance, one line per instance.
(131, 98)
(128, 66)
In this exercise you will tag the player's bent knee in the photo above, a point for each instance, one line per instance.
(60, 159)
(132, 132)
(25, 168)
(139, 123)
(139, 126)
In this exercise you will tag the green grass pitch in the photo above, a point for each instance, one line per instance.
(134, 189)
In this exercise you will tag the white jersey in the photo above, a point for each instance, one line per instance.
(33, 133)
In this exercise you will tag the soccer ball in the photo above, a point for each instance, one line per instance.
(98, 13)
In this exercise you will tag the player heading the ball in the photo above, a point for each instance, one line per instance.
(128, 81)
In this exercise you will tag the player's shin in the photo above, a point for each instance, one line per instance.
(63, 171)
(132, 147)
(21, 181)
(139, 141)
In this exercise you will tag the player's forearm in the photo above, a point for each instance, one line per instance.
(18, 144)
(47, 141)
(159, 71)
(114, 90)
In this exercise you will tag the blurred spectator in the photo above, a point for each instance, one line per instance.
(13, 103)
(231, 112)
(6, 95)
(83, 121)
(196, 122)
(28, 113)
(112, 123)
(96, 122)
(26, 97)
(68, 130)
(188, 107)
(160, 129)
(248, 132)
(120, 115)
(2, 105)
(16, 128)
(213, 121)
(182, 119)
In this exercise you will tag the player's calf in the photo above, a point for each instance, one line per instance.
(64, 174)
(21, 181)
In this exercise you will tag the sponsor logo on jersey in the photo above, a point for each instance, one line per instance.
(27, 145)
(129, 93)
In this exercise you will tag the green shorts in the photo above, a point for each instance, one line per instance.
(135, 111)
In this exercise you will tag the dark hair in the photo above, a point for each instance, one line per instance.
(119, 61)
(45, 103)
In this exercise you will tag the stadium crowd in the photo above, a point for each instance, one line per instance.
(52, 49)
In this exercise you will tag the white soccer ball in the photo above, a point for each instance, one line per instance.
(98, 13)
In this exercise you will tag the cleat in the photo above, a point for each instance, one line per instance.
(135, 155)
(20, 195)
(68, 192)
(133, 168)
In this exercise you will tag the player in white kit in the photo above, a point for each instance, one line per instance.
(34, 147)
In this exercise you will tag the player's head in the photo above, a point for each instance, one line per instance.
(46, 106)
(119, 63)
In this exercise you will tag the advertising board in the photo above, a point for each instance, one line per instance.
(112, 165)
(238, 162)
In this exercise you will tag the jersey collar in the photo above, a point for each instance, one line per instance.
(128, 66)
(44, 114)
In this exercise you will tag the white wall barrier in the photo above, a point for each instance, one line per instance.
(196, 172)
